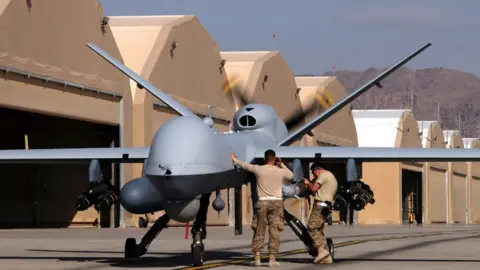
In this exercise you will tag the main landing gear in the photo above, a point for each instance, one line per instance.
(134, 251)
(302, 233)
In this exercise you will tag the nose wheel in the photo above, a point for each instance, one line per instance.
(197, 247)
(198, 254)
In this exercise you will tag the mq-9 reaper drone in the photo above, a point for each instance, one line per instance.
(189, 159)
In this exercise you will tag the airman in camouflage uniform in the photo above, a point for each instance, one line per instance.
(267, 213)
(269, 208)
(324, 187)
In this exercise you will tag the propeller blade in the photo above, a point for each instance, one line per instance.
(233, 91)
(95, 172)
(321, 101)
(352, 175)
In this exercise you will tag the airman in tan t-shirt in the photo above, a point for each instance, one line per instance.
(268, 211)
(324, 188)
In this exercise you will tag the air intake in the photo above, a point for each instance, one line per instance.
(247, 121)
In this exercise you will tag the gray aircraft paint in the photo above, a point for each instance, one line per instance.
(188, 157)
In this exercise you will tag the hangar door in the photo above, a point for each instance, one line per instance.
(475, 210)
(437, 195)
(459, 198)
(412, 187)
(44, 195)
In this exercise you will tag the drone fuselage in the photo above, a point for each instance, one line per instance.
(188, 158)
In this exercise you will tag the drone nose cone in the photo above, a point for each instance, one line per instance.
(185, 146)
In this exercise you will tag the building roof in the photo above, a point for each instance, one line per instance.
(27, 42)
(432, 137)
(453, 139)
(473, 143)
(424, 128)
(177, 55)
(329, 132)
(449, 136)
(467, 142)
(379, 128)
(263, 76)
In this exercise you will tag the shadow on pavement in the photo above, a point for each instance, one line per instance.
(372, 256)
(173, 259)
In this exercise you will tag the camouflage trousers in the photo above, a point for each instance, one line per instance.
(268, 212)
(315, 226)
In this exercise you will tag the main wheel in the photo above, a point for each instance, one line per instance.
(198, 255)
(131, 250)
(331, 247)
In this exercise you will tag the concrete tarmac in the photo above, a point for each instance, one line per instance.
(362, 247)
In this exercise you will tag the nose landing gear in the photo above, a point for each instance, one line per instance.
(199, 232)
(198, 248)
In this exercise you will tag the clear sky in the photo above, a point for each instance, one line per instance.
(314, 35)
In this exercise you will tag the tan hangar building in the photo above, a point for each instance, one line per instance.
(435, 175)
(397, 186)
(457, 181)
(473, 187)
(57, 93)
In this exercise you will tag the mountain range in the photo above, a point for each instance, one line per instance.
(450, 96)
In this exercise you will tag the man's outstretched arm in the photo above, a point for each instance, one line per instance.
(244, 165)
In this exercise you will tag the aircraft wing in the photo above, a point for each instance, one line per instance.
(297, 134)
(142, 83)
(74, 155)
(373, 154)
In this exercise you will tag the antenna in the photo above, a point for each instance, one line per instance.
(209, 119)
(459, 123)
(437, 104)
(210, 108)
(274, 36)
(412, 97)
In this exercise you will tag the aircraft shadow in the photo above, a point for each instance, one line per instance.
(371, 256)
(173, 259)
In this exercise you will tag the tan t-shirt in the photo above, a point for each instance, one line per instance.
(269, 178)
(328, 187)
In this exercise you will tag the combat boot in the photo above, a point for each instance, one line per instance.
(272, 262)
(327, 260)
(322, 255)
(256, 260)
